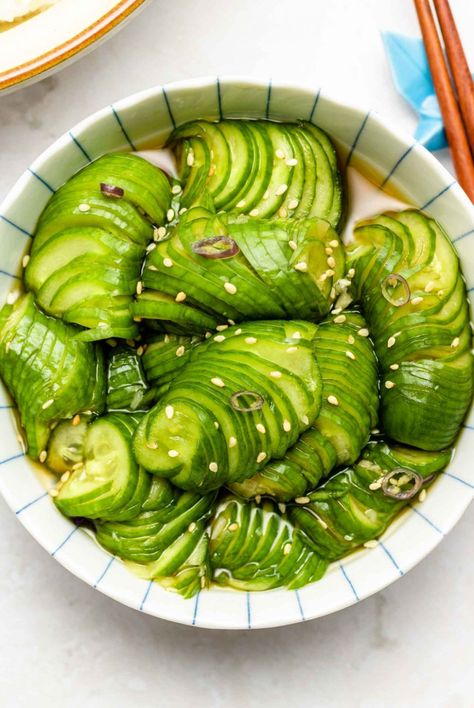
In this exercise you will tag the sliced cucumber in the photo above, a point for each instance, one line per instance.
(66, 444)
(127, 387)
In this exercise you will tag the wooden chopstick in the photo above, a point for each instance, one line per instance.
(453, 124)
(458, 66)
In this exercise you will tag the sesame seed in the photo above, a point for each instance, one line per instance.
(329, 273)
(221, 328)
(281, 190)
(261, 428)
(305, 420)
(276, 374)
(371, 544)
(286, 426)
(160, 232)
(216, 425)
(363, 332)
(43, 455)
(334, 243)
(440, 293)
(241, 204)
(166, 338)
(218, 382)
(77, 466)
(258, 499)
(152, 267)
(180, 351)
(173, 453)
(12, 297)
(238, 331)
(219, 338)
(102, 325)
(190, 158)
(53, 492)
(47, 403)
(375, 485)
(250, 340)
(282, 507)
(232, 441)
(65, 476)
(337, 310)
(292, 162)
(170, 214)
(301, 266)
(84, 207)
(140, 350)
(290, 350)
(296, 335)
(347, 537)
(231, 322)
(76, 420)
(422, 495)
(416, 300)
(302, 500)
(390, 342)
(351, 272)
(286, 549)
(389, 384)
(254, 212)
(333, 400)
(152, 445)
(350, 355)
(261, 457)
(280, 154)
(213, 466)
(176, 189)
(322, 523)
(230, 288)
(455, 342)
(293, 203)
(430, 285)
(139, 287)
(167, 262)
(25, 260)
(192, 526)
(331, 261)
(151, 247)
(350, 339)
(328, 250)
(266, 195)
(233, 527)
(181, 296)
(293, 245)
(340, 319)
(282, 212)
(183, 210)
(375, 431)
(169, 412)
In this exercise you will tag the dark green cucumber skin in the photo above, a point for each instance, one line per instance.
(42, 361)
(339, 432)
(254, 547)
(164, 357)
(167, 539)
(127, 386)
(245, 164)
(429, 393)
(244, 358)
(343, 513)
(88, 249)
(265, 277)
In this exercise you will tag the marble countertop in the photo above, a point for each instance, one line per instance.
(64, 645)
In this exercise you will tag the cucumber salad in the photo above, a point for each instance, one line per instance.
(226, 392)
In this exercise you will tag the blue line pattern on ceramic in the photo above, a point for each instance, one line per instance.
(390, 556)
(104, 572)
(42, 180)
(122, 128)
(145, 596)
(357, 138)
(63, 543)
(15, 226)
(349, 582)
(81, 147)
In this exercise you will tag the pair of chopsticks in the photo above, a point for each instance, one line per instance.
(453, 85)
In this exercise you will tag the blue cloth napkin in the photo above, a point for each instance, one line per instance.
(412, 78)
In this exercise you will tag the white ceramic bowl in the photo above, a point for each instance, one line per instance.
(139, 122)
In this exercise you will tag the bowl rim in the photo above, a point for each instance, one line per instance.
(452, 518)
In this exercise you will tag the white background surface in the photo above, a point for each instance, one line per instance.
(64, 644)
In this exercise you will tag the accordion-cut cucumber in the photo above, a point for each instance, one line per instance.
(167, 540)
(89, 247)
(109, 484)
(254, 547)
(260, 168)
(164, 357)
(351, 509)
(245, 396)
(273, 269)
(348, 412)
(66, 444)
(408, 279)
(127, 387)
(49, 373)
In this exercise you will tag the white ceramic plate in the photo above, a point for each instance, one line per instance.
(140, 122)
(41, 43)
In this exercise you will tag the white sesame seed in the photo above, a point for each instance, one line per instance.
(282, 212)
(140, 350)
(390, 342)
(281, 190)
(102, 325)
(276, 374)
(84, 207)
(167, 262)
(302, 500)
(43, 455)
(230, 288)
(296, 335)
(139, 287)
(192, 526)
(76, 420)
(180, 351)
(280, 154)
(216, 425)
(47, 403)
(371, 544)
(261, 457)
(292, 162)
(237, 332)
(375, 485)
(219, 338)
(213, 466)
(152, 267)
(190, 158)
(183, 210)
(340, 319)
(77, 466)
(347, 537)
(166, 338)
(334, 243)
(375, 431)
(329, 273)
(286, 549)
(322, 523)
(53, 492)
(218, 382)
(351, 339)
(233, 527)
(293, 245)
(65, 476)
(290, 350)
(231, 322)
(12, 297)
(282, 507)
(455, 342)
(416, 300)
(389, 384)
(286, 426)
(176, 189)
(351, 272)
(151, 247)
(328, 250)
(363, 332)
(232, 441)
(170, 214)
(301, 266)
(305, 420)
(173, 453)
(333, 400)
(293, 203)
(254, 212)
(350, 355)
(25, 260)
(169, 412)
(221, 328)
(258, 499)
(331, 261)
(241, 204)
(394, 367)
(261, 428)
(250, 340)
(180, 297)
(422, 495)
